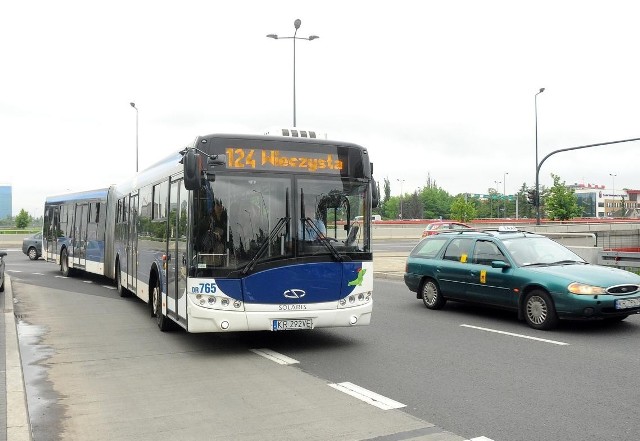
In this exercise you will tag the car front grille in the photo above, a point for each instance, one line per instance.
(620, 290)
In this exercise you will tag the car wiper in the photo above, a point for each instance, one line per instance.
(568, 261)
(265, 245)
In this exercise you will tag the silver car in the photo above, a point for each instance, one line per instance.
(32, 246)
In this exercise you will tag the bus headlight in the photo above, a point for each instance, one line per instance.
(216, 302)
(353, 300)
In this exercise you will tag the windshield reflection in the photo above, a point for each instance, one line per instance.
(240, 222)
(539, 250)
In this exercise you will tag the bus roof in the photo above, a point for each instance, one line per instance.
(100, 194)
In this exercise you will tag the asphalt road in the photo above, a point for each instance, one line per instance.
(97, 362)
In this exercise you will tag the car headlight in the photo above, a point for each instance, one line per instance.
(589, 290)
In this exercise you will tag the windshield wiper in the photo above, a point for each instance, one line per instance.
(323, 239)
(265, 245)
(559, 262)
(567, 262)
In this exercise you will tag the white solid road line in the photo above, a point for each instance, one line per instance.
(367, 396)
(544, 340)
(274, 356)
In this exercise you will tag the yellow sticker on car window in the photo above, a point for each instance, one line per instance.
(483, 276)
(463, 258)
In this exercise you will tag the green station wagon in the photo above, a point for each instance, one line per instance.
(531, 274)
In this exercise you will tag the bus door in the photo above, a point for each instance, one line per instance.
(177, 252)
(132, 244)
(50, 230)
(80, 236)
(122, 235)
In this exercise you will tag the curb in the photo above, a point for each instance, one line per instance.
(18, 426)
(389, 275)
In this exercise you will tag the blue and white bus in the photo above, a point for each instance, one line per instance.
(233, 233)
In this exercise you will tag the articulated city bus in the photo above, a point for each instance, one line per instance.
(233, 233)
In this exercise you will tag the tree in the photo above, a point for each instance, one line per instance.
(22, 219)
(462, 210)
(412, 207)
(561, 202)
(436, 202)
(387, 190)
(384, 208)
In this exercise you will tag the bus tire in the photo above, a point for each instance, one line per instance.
(64, 263)
(121, 289)
(156, 298)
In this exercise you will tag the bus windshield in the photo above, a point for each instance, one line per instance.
(244, 221)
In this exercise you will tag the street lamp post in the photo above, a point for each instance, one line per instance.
(296, 24)
(504, 192)
(401, 214)
(497, 204)
(134, 106)
(613, 192)
(537, 201)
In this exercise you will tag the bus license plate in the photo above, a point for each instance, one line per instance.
(627, 303)
(291, 324)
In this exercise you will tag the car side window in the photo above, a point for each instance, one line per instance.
(485, 252)
(429, 248)
(459, 250)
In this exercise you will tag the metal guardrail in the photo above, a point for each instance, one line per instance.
(619, 259)
(575, 239)
(23, 231)
(612, 240)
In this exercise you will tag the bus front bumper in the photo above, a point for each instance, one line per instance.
(259, 318)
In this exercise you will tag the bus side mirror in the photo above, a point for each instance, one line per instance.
(375, 197)
(192, 163)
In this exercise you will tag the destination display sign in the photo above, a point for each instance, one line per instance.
(284, 160)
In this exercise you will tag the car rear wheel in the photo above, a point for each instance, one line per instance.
(32, 253)
(431, 295)
(539, 311)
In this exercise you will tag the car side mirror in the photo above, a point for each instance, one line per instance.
(499, 264)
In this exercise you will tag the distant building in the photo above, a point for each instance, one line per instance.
(598, 201)
(5, 201)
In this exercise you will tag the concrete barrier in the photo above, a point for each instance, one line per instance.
(12, 240)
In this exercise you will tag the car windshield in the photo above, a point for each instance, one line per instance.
(539, 251)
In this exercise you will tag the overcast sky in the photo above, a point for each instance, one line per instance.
(432, 88)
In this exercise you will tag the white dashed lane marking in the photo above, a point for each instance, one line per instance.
(367, 396)
(274, 356)
(511, 334)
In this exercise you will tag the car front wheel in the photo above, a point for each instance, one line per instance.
(431, 295)
(32, 253)
(539, 311)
